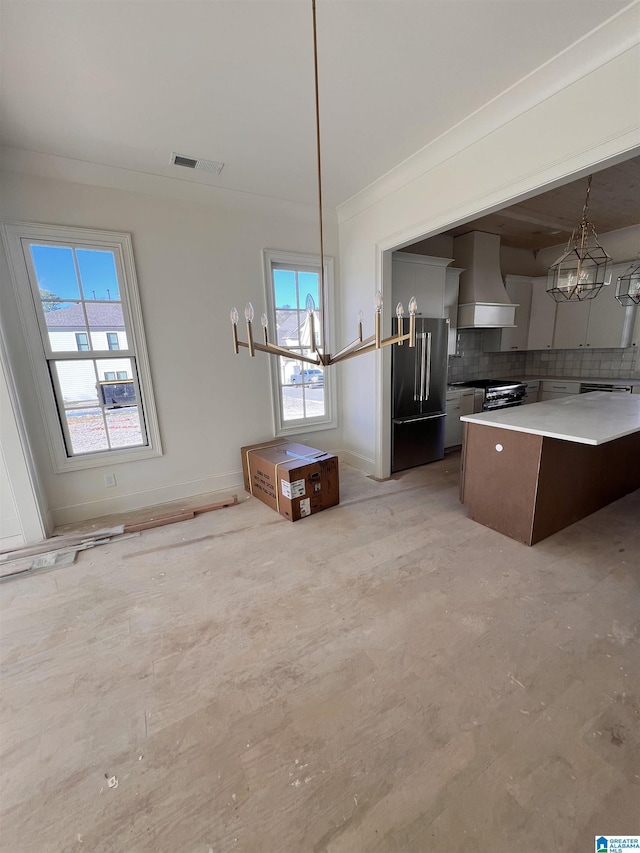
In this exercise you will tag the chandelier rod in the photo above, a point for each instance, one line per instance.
(319, 165)
(320, 356)
(586, 200)
(585, 219)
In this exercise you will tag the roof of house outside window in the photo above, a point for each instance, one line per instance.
(102, 315)
(290, 324)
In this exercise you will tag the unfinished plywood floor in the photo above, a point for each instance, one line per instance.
(384, 676)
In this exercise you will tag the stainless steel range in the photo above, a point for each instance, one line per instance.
(498, 393)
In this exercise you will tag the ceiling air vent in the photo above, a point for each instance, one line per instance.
(198, 165)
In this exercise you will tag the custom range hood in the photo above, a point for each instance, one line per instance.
(483, 302)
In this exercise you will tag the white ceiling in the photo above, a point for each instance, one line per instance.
(126, 82)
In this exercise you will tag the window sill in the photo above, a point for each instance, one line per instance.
(104, 459)
(302, 427)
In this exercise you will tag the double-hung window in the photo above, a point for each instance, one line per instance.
(304, 396)
(77, 295)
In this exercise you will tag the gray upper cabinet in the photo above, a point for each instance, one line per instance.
(434, 286)
(610, 323)
(571, 324)
(542, 319)
(600, 323)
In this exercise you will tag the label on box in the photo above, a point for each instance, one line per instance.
(305, 507)
(292, 490)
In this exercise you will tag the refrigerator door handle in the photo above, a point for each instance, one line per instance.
(418, 361)
(423, 354)
(427, 359)
(401, 421)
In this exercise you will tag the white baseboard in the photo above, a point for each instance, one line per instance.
(231, 481)
(9, 543)
(10, 527)
(362, 463)
(225, 483)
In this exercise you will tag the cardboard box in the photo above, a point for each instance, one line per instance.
(291, 478)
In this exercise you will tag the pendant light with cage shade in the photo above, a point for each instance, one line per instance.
(580, 272)
(628, 284)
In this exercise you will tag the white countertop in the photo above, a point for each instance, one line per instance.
(593, 418)
(597, 380)
(456, 386)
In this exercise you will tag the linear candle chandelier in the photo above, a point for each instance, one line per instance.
(319, 354)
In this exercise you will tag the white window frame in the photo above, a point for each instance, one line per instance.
(17, 235)
(282, 427)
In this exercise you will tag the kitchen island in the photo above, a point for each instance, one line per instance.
(530, 471)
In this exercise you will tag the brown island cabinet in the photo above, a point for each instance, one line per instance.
(531, 471)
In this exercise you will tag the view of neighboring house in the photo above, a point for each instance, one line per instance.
(292, 331)
(101, 330)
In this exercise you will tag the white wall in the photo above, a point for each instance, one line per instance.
(22, 507)
(9, 522)
(531, 152)
(195, 261)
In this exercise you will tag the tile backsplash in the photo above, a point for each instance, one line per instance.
(472, 362)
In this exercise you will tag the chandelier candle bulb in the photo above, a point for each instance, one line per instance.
(399, 315)
(265, 326)
(413, 307)
(378, 319)
(234, 329)
(360, 322)
(311, 307)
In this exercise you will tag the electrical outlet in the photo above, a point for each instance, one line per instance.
(109, 480)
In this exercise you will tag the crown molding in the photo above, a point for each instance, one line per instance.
(613, 38)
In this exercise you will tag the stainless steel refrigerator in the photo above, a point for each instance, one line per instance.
(419, 388)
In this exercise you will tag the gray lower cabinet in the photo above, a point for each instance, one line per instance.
(551, 389)
(459, 402)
